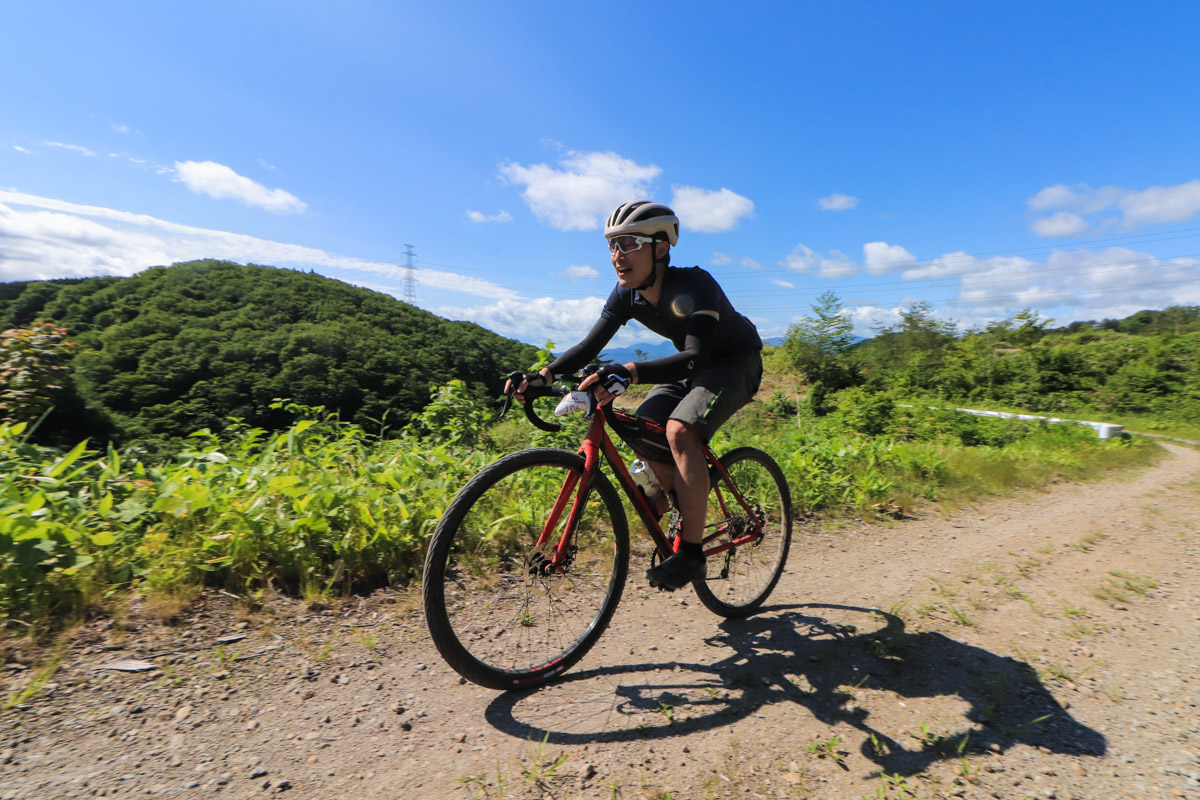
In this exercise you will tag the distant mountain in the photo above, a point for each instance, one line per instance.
(622, 355)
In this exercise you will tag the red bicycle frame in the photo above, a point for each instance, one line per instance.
(597, 442)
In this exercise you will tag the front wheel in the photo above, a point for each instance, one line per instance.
(740, 579)
(493, 612)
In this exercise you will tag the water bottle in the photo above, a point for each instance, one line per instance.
(644, 477)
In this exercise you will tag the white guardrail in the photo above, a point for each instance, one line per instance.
(1105, 430)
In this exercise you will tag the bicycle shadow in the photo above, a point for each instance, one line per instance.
(813, 656)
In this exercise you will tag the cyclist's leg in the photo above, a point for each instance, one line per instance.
(657, 406)
(713, 396)
(691, 484)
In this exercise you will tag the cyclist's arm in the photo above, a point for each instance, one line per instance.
(583, 353)
(697, 346)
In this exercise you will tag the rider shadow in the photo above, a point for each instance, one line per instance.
(815, 657)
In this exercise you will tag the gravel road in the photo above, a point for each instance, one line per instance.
(1038, 646)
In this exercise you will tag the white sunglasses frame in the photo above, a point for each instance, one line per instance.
(642, 241)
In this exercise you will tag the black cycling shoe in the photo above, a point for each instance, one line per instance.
(677, 571)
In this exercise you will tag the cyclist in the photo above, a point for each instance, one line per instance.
(716, 371)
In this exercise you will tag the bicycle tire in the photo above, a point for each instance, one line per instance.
(745, 576)
(497, 621)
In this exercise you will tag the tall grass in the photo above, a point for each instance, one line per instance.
(325, 507)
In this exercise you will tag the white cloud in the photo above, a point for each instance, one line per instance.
(20, 149)
(480, 217)
(1161, 204)
(708, 211)
(801, 259)
(583, 191)
(119, 127)
(542, 319)
(1157, 204)
(1081, 198)
(221, 182)
(1093, 283)
(837, 266)
(881, 257)
(42, 238)
(750, 263)
(720, 259)
(951, 265)
(579, 272)
(834, 266)
(74, 148)
(1062, 223)
(837, 202)
(783, 284)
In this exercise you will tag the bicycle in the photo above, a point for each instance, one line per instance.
(527, 565)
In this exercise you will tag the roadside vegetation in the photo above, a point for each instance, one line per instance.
(320, 502)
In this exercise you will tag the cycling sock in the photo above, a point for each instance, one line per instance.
(693, 549)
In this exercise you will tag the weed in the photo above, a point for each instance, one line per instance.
(667, 710)
(1138, 584)
(1079, 630)
(961, 617)
(369, 640)
(828, 749)
(1015, 592)
(1072, 611)
(537, 770)
(893, 787)
(1020, 730)
(942, 589)
(222, 656)
(1110, 594)
(41, 676)
(1026, 567)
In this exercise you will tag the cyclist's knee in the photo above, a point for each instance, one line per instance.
(682, 435)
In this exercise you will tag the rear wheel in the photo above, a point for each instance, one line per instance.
(494, 614)
(741, 578)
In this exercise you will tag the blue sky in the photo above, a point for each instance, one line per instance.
(981, 157)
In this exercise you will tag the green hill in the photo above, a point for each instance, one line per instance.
(174, 349)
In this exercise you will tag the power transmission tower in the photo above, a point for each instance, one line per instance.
(410, 277)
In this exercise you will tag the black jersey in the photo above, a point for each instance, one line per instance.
(686, 292)
(692, 312)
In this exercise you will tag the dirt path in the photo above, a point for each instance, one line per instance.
(1037, 647)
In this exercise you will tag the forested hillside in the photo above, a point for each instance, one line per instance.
(1147, 364)
(175, 349)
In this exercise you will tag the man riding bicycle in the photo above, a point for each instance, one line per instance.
(716, 371)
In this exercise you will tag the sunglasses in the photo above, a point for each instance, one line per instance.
(628, 243)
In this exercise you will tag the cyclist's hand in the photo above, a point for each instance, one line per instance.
(531, 380)
(609, 381)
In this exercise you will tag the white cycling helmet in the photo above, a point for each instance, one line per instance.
(644, 218)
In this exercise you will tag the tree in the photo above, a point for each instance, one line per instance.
(32, 368)
(911, 354)
(819, 347)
